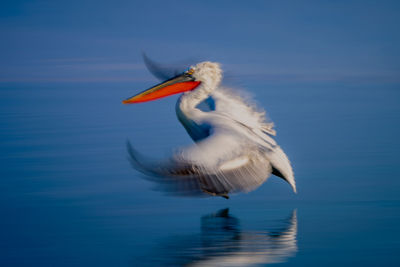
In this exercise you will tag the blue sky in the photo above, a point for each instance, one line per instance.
(101, 41)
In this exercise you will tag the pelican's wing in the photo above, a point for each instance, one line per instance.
(240, 109)
(165, 71)
(168, 175)
(218, 165)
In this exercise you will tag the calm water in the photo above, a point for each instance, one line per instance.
(68, 196)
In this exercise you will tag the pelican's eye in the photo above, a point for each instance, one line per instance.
(190, 71)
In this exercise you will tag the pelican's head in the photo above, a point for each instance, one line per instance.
(208, 74)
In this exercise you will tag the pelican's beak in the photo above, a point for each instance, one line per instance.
(176, 85)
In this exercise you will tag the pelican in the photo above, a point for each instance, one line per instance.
(234, 150)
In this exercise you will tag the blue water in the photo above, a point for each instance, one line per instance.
(69, 197)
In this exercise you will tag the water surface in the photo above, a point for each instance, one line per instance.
(68, 196)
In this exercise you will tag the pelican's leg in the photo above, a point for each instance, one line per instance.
(224, 195)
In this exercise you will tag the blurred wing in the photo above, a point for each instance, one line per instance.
(164, 72)
(218, 165)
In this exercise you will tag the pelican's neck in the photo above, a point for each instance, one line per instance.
(190, 116)
(191, 99)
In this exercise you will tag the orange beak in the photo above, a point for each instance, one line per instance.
(176, 85)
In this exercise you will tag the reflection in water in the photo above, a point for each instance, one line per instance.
(222, 242)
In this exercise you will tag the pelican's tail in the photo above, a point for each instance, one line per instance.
(281, 166)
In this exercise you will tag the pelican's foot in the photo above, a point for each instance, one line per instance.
(224, 195)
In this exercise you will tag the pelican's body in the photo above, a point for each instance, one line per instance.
(234, 150)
